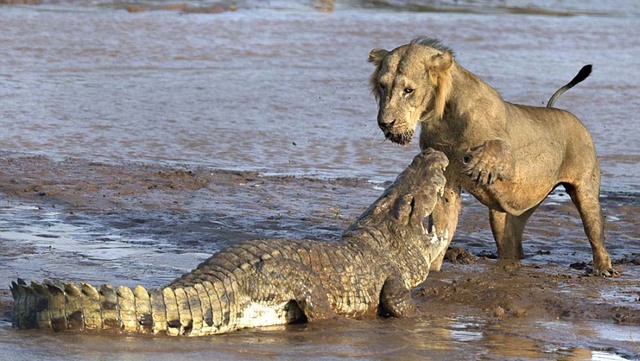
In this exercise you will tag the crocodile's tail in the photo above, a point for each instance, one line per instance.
(192, 311)
(582, 75)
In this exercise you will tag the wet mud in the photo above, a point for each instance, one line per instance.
(196, 211)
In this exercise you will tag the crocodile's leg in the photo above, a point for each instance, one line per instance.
(279, 280)
(395, 299)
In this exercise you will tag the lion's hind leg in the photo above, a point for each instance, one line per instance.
(586, 199)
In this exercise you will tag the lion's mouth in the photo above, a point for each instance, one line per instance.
(402, 138)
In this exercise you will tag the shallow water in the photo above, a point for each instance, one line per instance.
(335, 340)
(285, 91)
(282, 89)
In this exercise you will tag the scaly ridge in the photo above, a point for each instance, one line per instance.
(91, 306)
(142, 302)
(127, 307)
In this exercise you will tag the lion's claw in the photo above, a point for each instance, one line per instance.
(607, 272)
(489, 162)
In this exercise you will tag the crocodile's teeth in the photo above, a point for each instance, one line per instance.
(434, 239)
(445, 236)
(441, 192)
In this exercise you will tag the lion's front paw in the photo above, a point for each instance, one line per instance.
(602, 266)
(489, 162)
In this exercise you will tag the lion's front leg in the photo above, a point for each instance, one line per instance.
(445, 218)
(507, 231)
(489, 162)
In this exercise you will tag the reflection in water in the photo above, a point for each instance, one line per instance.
(325, 340)
(466, 329)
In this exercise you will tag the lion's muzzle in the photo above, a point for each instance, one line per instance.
(391, 132)
(393, 125)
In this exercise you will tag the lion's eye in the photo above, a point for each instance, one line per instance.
(382, 87)
(408, 90)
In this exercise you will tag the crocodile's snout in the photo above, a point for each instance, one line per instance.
(434, 159)
(431, 165)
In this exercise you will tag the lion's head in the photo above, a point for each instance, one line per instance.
(412, 84)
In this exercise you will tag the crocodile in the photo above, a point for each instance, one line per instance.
(370, 271)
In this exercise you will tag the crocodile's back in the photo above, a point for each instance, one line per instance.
(254, 283)
(347, 276)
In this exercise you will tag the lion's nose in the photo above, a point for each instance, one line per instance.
(385, 124)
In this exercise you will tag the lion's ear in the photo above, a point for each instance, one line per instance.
(441, 62)
(376, 56)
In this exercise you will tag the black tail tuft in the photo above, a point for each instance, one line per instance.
(582, 74)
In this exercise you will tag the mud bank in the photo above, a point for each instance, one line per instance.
(190, 212)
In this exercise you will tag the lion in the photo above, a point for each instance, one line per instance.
(508, 156)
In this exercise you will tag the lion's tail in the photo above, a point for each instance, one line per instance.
(582, 75)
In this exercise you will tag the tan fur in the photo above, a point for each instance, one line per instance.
(508, 156)
(440, 76)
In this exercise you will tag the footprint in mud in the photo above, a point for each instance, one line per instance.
(459, 255)
(626, 315)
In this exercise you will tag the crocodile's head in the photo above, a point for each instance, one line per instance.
(395, 222)
(413, 195)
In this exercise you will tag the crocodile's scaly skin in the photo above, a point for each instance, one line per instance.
(371, 270)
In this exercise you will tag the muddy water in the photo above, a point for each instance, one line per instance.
(282, 90)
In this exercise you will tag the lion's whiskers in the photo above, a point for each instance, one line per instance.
(374, 135)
